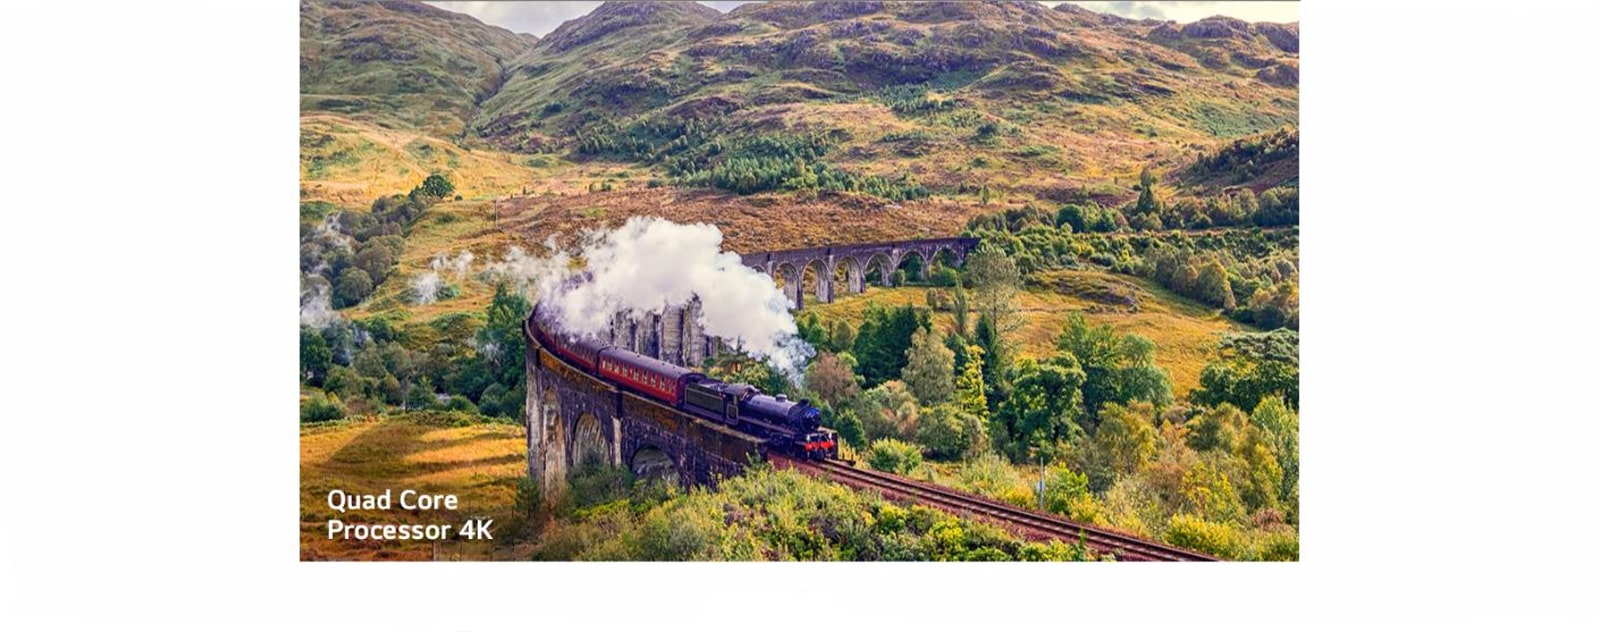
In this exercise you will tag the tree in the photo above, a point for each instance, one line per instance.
(1251, 367)
(489, 401)
(832, 380)
(1096, 351)
(996, 367)
(500, 351)
(1147, 193)
(1209, 493)
(969, 385)
(888, 411)
(942, 431)
(1211, 285)
(1116, 368)
(995, 281)
(810, 329)
(375, 259)
(842, 338)
(1262, 482)
(1274, 417)
(845, 421)
(436, 186)
(344, 382)
(1065, 490)
(420, 395)
(1072, 215)
(960, 309)
(1125, 440)
(880, 347)
(1038, 414)
(930, 368)
(315, 356)
(1216, 429)
(319, 407)
(353, 287)
(1137, 376)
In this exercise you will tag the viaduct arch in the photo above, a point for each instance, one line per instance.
(856, 261)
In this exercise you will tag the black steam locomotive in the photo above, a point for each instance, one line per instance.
(791, 427)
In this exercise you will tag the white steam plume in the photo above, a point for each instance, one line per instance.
(650, 264)
(525, 271)
(428, 284)
(316, 305)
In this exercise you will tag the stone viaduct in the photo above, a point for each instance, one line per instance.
(853, 264)
(574, 419)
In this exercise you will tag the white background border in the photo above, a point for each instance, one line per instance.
(1449, 356)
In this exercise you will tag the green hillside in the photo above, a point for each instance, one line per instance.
(401, 63)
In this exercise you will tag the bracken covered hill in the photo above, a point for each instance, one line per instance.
(1053, 103)
(400, 62)
(892, 100)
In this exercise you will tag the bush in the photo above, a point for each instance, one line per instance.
(459, 403)
(1281, 546)
(353, 287)
(849, 427)
(1192, 532)
(1065, 492)
(945, 276)
(896, 457)
(319, 407)
(436, 186)
(942, 432)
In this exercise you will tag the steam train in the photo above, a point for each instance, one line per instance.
(792, 427)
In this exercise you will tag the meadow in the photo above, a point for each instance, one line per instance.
(481, 463)
(1185, 332)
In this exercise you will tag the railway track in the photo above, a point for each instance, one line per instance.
(1032, 524)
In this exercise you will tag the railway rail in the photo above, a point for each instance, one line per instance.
(1031, 524)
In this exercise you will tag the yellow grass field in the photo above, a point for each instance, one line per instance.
(1185, 332)
(479, 463)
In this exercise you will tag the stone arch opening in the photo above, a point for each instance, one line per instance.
(553, 449)
(943, 266)
(589, 448)
(876, 271)
(653, 464)
(848, 277)
(914, 267)
(814, 280)
(787, 279)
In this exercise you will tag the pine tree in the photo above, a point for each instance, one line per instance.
(969, 385)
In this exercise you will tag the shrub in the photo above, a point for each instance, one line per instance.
(353, 287)
(1192, 532)
(849, 427)
(942, 432)
(459, 403)
(897, 457)
(436, 186)
(319, 407)
(1065, 492)
(1281, 546)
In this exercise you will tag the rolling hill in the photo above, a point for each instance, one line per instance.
(893, 101)
(401, 63)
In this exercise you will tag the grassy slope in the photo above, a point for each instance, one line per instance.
(400, 63)
(350, 163)
(1184, 331)
(1086, 100)
(478, 463)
